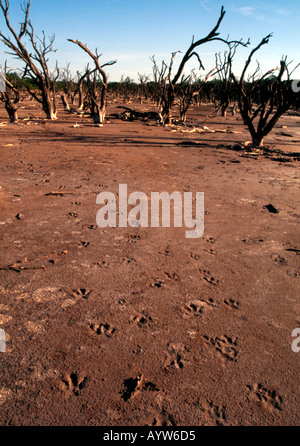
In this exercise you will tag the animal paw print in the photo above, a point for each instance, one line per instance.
(103, 329)
(128, 260)
(83, 244)
(157, 283)
(132, 386)
(224, 345)
(197, 307)
(211, 251)
(142, 319)
(175, 357)
(82, 292)
(73, 383)
(102, 264)
(172, 276)
(72, 214)
(231, 303)
(206, 275)
(278, 259)
(163, 419)
(270, 399)
(210, 239)
(213, 414)
(133, 239)
(195, 256)
(166, 252)
(90, 226)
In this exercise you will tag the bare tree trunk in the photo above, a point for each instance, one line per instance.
(37, 54)
(80, 98)
(264, 100)
(98, 107)
(164, 75)
(258, 141)
(11, 98)
(224, 109)
(12, 111)
(49, 106)
(65, 101)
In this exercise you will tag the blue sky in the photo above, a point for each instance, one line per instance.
(132, 31)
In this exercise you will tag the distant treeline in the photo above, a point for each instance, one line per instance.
(128, 89)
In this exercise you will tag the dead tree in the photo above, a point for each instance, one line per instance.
(10, 97)
(35, 58)
(169, 82)
(164, 91)
(126, 89)
(189, 88)
(263, 99)
(143, 87)
(72, 86)
(68, 87)
(75, 89)
(79, 89)
(97, 100)
(224, 65)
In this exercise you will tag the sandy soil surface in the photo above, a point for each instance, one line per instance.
(142, 326)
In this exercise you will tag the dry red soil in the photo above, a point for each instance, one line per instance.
(142, 326)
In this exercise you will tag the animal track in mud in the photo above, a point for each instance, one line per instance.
(197, 307)
(231, 303)
(83, 244)
(132, 386)
(102, 264)
(128, 260)
(73, 383)
(158, 283)
(213, 415)
(175, 357)
(72, 214)
(269, 399)
(293, 273)
(211, 251)
(133, 239)
(172, 276)
(142, 319)
(206, 275)
(103, 329)
(165, 253)
(225, 346)
(278, 259)
(82, 292)
(90, 226)
(195, 256)
(163, 419)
